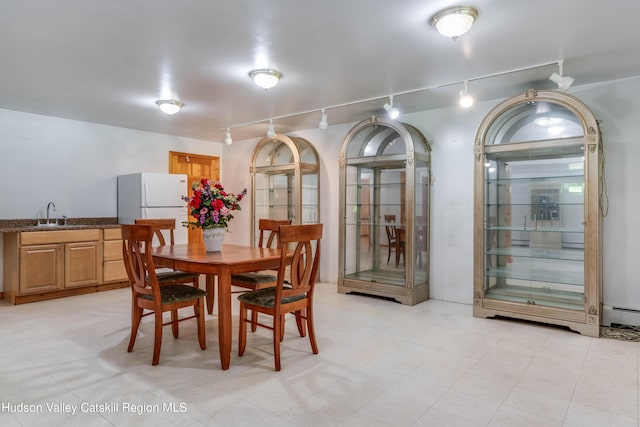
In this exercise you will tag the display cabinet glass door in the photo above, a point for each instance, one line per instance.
(373, 195)
(534, 230)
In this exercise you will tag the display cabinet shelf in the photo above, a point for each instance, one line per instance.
(527, 252)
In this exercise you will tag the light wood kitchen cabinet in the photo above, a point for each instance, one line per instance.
(41, 265)
(113, 264)
(41, 268)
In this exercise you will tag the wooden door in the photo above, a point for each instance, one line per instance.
(196, 167)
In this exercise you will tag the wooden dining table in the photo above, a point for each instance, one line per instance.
(231, 260)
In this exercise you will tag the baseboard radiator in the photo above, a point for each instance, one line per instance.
(612, 315)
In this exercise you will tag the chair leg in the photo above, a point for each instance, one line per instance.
(277, 337)
(312, 333)
(174, 323)
(300, 322)
(157, 340)
(198, 308)
(254, 321)
(136, 316)
(389, 254)
(242, 334)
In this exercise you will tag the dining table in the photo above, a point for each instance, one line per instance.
(232, 259)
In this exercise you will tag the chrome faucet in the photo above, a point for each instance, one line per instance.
(54, 209)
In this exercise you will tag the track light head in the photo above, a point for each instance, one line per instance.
(271, 132)
(563, 82)
(227, 137)
(466, 100)
(392, 112)
(323, 121)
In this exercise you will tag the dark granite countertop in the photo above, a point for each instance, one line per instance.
(20, 225)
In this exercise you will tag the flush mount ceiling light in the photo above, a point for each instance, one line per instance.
(392, 112)
(271, 132)
(227, 137)
(323, 121)
(170, 106)
(563, 82)
(466, 100)
(455, 21)
(265, 78)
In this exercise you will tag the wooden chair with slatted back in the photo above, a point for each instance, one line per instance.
(149, 294)
(300, 250)
(269, 238)
(168, 276)
(389, 228)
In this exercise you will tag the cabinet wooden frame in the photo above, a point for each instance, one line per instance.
(587, 320)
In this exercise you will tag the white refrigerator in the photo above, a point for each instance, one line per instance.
(154, 195)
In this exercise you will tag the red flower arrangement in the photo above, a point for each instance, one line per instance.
(210, 205)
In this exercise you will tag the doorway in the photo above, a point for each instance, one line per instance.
(196, 167)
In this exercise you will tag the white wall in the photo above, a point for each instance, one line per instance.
(451, 132)
(75, 164)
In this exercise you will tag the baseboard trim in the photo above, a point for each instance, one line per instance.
(620, 316)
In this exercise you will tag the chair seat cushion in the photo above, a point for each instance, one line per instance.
(266, 297)
(253, 279)
(177, 293)
(172, 276)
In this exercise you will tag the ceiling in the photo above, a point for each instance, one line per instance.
(109, 61)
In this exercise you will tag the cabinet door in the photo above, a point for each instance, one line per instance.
(41, 268)
(82, 264)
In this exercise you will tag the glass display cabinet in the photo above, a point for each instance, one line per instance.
(384, 211)
(538, 220)
(284, 182)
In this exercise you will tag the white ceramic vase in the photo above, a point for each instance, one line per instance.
(213, 238)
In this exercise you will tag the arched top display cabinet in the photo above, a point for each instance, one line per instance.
(285, 181)
(384, 211)
(538, 219)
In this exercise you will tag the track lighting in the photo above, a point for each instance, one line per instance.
(323, 121)
(563, 82)
(392, 112)
(455, 21)
(227, 137)
(466, 100)
(265, 78)
(170, 106)
(271, 131)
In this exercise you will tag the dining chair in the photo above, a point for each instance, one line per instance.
(300, 250)
(164, 275)
(391, 234)
(148, 294)
(268, 238)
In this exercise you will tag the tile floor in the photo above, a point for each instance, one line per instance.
(380, 364)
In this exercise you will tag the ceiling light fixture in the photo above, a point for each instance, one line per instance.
(391, 110)
(323, 121)
(466, 100)
(271, 132)
(227, 137)
(563, 82)
(170, 106)
(265, 78)
(455, 21)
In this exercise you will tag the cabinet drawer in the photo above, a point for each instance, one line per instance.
(114, 271)
(60, 236)
(112, 250)
(112, 234)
